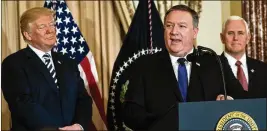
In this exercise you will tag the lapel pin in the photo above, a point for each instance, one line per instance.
(252, 70)
(197, 64)
(58, 62)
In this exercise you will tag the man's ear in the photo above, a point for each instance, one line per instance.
(27, 35)
(222, 38)
(195, 32)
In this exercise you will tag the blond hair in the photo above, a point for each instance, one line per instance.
(235, 18)
(31, 15)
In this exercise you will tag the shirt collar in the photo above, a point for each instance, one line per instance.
(232, 60)
(175, 58)
(39, 52)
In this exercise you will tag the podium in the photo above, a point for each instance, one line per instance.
(245, 114)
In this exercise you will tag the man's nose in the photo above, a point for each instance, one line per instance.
(235, 37)
(50, 30)
(174, 30)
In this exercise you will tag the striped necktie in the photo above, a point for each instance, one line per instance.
(50, 66)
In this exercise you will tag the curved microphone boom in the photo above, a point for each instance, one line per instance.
(200, 50)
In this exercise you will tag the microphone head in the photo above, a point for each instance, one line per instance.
(201, 47)
(203, 50)
(191, 57)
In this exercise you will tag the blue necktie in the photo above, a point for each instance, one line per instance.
(182, 77)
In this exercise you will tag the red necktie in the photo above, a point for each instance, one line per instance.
(241, 76)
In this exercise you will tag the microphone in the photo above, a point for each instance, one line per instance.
(199, 51)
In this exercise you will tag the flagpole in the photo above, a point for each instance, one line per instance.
(150, 25)
(54, 2)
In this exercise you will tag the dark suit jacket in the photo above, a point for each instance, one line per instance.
(257, 85)
(35, 102)
(153, 92)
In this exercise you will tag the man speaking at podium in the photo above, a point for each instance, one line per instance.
(166, 78)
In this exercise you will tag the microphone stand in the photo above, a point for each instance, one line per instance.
(201, 48)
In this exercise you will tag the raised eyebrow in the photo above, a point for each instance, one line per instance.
(52, 23)
(168, 22)
(182, 23)
(41, 25)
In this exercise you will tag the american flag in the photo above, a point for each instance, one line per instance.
(71, 42)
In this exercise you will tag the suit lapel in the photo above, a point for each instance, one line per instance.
(168, 70)
(195, 89)
(58, 63)
(195, 69)
(228, 70)
(38, 64)
(251, 72)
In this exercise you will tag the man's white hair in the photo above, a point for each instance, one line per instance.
(235, 18)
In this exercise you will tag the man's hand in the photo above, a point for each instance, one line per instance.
(221, 97)
(74, 127)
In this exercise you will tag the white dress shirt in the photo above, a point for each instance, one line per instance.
(232, 61)
(175, 65)
(40, 54)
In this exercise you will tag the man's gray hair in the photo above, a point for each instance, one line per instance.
(231, 18)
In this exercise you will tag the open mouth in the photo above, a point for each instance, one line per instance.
(176, 40)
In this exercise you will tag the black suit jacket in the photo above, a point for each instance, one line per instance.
(257, 85)
(33, 98)
(153, 92)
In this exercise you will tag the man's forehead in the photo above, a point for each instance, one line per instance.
(48, 19)
(178, 16)
(45, 17)
(178, 13)
(176, 22)
(235, 23)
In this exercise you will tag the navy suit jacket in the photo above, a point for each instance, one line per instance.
(257, 85)
(33, 98)
(153, 92)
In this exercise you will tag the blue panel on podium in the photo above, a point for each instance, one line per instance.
(211, 114)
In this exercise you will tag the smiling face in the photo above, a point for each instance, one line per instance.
(179, 33)
(235, 37)
(42, 33)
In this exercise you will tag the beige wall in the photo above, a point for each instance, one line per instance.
(211, 19)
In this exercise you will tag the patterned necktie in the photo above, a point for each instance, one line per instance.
(182, 77)
(241, 76)
(50, 66)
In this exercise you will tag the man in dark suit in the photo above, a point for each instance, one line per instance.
(245, 76)
(44, 89)
(165, 78)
